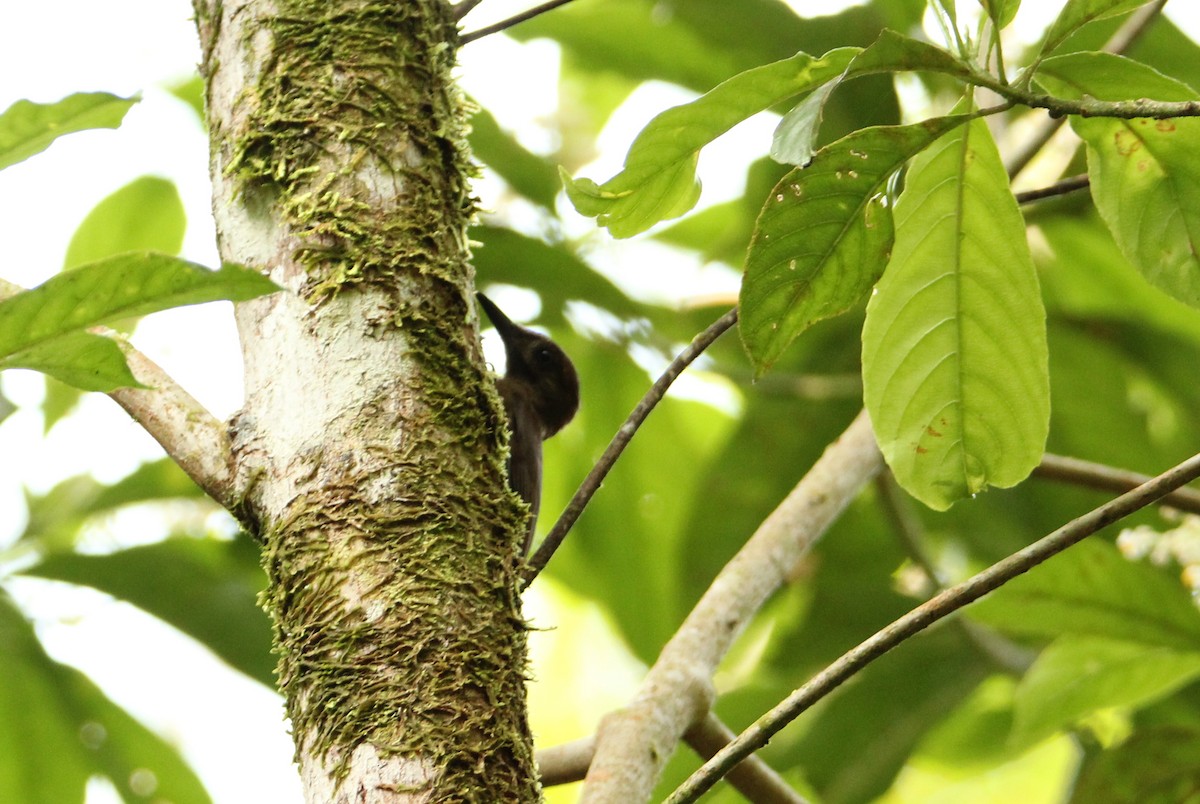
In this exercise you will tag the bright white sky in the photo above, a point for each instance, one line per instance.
(230, 728)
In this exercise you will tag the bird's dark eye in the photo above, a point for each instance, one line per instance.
(543, 356)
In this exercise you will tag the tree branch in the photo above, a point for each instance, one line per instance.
(634, 744)
(191, 436)
(516, 19)
(621, 440)
(1108, 478)
(1062, 187)
(942, 605)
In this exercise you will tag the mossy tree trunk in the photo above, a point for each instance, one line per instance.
(370, 439)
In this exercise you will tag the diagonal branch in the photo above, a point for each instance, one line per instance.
(191, 436)
(920, 618)
(633, 745)
(591, 484)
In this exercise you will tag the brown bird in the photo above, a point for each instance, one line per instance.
(541, 394)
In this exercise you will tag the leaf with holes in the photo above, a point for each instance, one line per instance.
(1145, 177)
(954, 346)
(823, 236)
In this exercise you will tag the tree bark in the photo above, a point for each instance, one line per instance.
(370, 442)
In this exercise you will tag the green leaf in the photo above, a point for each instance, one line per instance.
(206, 588)
(1077, 13)
(892, 52)
(954, 345)
(1001, 11)
(824, 235)
(1145, 178)
(1159, 765)
(57, 730)
(28, 128)
(125, 285)
(795, 139)
(1078, 675)
(1093, 590)
(80, 359)
(145, 215)
(659, 180)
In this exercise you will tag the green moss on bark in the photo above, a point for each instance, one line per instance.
(393, 579)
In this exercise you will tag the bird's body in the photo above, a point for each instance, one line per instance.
(541, 394)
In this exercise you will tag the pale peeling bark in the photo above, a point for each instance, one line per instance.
(634, 744)
(371, 436)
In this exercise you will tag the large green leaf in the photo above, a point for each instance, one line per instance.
(1077, 13)
(1078, 675)
(954, 345)
(57, 730)
(39, 328)
(1092, 590)
(144, 215)
(204, 587)
(659, 179)
(1145, 177)
(27, 128)
(824, 235)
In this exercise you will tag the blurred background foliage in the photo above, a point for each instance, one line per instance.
(1075, 683)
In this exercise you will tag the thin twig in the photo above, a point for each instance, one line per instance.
(753, 778)
(925, 615)
(1108, 478)
(463, 8)
(619, 441)
(516, 19)
(1121, 40)
(1061, 187)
